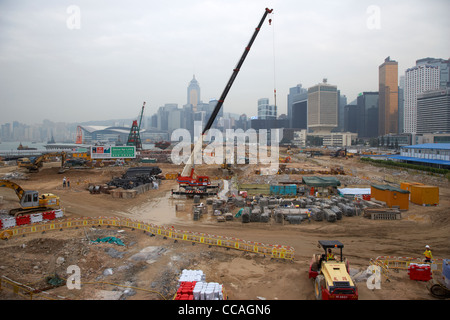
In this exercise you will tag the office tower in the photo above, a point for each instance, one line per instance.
(351, 118)
(266, 110)
(418, 79)
(367, 115)
(433, 111)
(401, 104)
(193, 92)
(444, 69)
(388, 97)
(296, 95)
(322, 108)
(341, 105)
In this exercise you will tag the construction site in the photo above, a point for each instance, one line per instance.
(318, 225)
(254, 256)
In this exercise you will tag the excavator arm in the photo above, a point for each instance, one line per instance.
(11, 185)
(188, 169)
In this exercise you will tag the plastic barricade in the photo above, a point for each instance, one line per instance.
(21, 220)
(50, 215)
(8, 223)
(419, 272)
(36, 217)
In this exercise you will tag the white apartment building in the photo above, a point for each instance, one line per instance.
(418, 79)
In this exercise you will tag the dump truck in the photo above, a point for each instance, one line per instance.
(331, 278)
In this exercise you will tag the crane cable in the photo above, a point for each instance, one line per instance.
(274, 65)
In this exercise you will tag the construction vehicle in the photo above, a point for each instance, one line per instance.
(339, 153)
(31, 201)
(33, 165)
(188, 179)
(285, 159)
(439, 285)
(331, 278)
(134, 137)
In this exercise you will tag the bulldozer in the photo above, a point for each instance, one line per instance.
(31, 201)
(331, 278)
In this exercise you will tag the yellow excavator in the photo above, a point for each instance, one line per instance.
(34, 165)
(31, 201)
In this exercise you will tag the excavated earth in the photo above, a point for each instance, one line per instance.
(148, 267)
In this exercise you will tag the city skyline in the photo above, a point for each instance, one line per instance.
(123, 55)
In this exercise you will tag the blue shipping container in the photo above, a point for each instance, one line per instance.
(283, 190)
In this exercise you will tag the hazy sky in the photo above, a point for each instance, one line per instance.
(74, 61)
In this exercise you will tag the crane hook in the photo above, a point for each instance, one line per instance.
(270, 22)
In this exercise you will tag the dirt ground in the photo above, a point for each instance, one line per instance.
(148, 267)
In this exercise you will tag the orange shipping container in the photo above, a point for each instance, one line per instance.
(424, 195)
(393, 196)
(407, 186)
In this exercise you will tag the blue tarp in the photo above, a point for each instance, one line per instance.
(110, 240)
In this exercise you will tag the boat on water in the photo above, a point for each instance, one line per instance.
(21, 147)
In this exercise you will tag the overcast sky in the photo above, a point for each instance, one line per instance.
(74, 61)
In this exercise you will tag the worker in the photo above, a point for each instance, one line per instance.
(330, 255)
(427, 253)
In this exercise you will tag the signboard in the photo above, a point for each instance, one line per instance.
(110, 152)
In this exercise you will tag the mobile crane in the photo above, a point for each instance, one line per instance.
(31, 201)
(188, 179)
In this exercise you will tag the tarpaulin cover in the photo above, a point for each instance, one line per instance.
(111, 240)
(316, 181)
(354, 191)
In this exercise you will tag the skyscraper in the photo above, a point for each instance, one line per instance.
(322, 108)
(193, 93)
(367, 115)
(296, 95)
(418, 79)
(388, 97)
(266, 110)
(433, 111)
(444, 69)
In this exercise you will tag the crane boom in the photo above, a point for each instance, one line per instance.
(188, 169)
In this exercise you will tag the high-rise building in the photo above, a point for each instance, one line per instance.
(322, 108)
(341, 111)
(297, 95)
(388, 97)
(367, 115)
(266, 110)
(444, 69)
(418, 79)
(401, 104)
(193, 93)
(433, 111)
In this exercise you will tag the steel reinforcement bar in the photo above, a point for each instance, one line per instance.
(274, 251)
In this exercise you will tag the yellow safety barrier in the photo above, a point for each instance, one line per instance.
(402, 263)
(275, 251)
(171, 176)
(24, 290)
